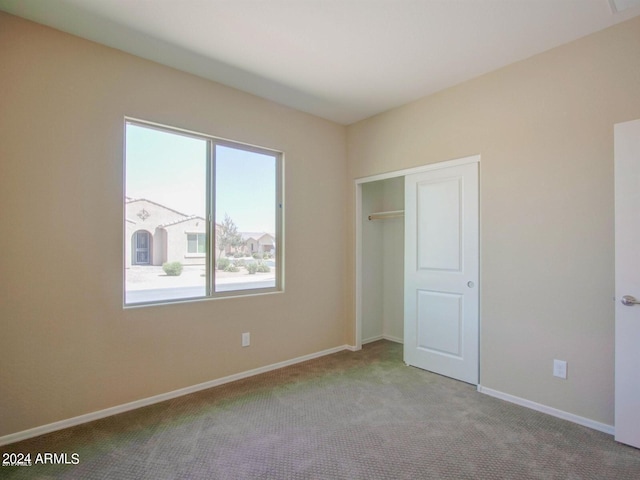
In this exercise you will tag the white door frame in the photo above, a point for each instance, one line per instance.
(358, 227)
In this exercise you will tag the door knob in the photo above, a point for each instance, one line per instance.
(630, 301)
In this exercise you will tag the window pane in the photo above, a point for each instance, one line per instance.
(202, 245)
(166, 189)
(245, 199)
(172, 179)
(192, 243)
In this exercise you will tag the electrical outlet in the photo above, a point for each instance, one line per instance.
(560, 369)
(246, 339)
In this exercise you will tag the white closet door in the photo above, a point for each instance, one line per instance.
(441, 271)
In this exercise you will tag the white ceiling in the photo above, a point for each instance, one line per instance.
(343, 60)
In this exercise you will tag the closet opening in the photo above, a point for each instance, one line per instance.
(417, 265)
(382, 256)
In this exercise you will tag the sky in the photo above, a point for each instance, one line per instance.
(171, 169)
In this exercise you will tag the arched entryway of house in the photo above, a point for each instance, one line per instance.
(141, 245)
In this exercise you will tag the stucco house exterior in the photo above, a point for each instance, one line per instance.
(258, 242)
(157, 234)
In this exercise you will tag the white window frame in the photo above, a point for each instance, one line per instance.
(210, 253)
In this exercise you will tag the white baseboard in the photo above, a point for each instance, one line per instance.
(382, 337)
(372, 339)
(585, 422)
(107, 412)
(393, 339)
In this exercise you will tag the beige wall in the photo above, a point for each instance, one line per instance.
(67, 347)
(544, 128)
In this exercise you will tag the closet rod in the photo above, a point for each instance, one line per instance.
(383, 215)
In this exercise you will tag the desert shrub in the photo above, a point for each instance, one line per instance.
(238, 255)
(257, 255)
(223, 263)
(252, 268)
(263, 268)
(231, 268)
(172, 269)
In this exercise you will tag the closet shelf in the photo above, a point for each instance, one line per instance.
(383, 215)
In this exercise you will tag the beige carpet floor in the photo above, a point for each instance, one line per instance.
(351, 415)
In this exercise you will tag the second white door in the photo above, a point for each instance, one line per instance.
(441, 271)
(627, 238)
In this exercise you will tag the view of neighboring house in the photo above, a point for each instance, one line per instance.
(157, 234)
(258, 242)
